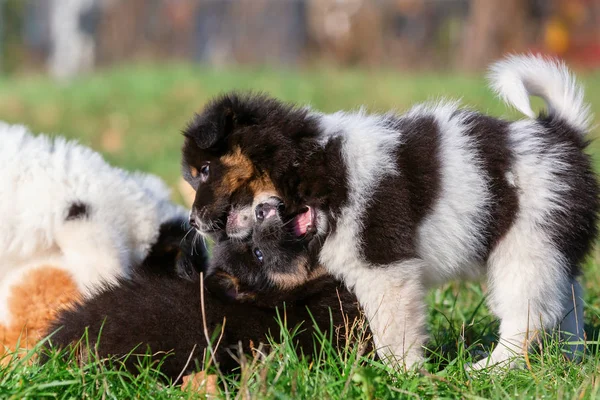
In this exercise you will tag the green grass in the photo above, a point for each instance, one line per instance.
(134, 115)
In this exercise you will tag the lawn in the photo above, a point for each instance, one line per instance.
(134, 116)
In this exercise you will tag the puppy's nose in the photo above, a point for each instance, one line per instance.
(265, 211)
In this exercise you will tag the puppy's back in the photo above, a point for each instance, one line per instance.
(160, 315)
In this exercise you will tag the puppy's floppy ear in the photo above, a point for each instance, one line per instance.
(163, 254)
(227, 287)
(214, 124)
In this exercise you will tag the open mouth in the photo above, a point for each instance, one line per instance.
(304, 222)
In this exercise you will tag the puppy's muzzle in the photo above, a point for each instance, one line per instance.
(271, 208)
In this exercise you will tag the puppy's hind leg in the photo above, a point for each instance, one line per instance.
(571, 327)
(528, 281)
(393, 300)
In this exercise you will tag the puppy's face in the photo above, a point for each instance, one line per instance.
(233, 153)
(225, 186)
(271, 260)
(305, 227)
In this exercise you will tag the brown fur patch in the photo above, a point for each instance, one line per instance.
(240, 171)
(234, 283)
(262, 184)
(291, 280)
(33, 305)
(194, 172)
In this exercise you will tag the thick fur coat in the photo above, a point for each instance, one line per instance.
(159, 311)
(393, 204)
(71, 224)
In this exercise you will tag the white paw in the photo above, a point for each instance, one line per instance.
(491, 362)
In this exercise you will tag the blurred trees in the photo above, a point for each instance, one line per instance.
(493, 27)
(70, 36)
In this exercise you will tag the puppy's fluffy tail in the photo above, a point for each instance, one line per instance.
(517, 77)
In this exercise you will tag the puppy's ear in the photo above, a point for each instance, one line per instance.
(213, 125)
(163, 254)
(227, 287)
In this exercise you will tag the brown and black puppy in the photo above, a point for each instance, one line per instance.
(271, 261)
(158, 313)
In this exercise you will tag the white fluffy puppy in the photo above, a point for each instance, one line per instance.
(62, 206)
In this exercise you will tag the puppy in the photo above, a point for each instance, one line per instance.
(395, 204)
(61, 203)
(71, 224)
(273, 261)
(34, 302)
(160, 314)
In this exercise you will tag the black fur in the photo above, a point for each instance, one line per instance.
(77, 210)
(403, 200)
(237, 271)
(176, 253)
(279, 139)
(572, 228)
(156, 312)
(489, 137)
(157, 315)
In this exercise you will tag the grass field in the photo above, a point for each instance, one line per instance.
(134, 115)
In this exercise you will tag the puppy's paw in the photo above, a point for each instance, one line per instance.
(492, 364)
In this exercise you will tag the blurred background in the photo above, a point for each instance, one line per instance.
(124, 76)
(68, 37)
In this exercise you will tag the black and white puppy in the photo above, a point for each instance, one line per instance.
(395, 204)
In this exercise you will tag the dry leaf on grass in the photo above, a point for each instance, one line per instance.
(202, 383)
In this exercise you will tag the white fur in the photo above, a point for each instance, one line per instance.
(530, 289)
(517, 77)
(367, 150)
(450, 238)
(527, 275)
(40, 178)
(393, 302)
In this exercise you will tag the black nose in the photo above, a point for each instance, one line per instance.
(193, 223)
(260, 211)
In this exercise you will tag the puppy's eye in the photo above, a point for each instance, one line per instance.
(259, 255)
(204, 172)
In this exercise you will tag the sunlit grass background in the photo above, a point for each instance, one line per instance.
(134, 115)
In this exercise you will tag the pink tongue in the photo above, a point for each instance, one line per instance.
(301, 223)
(271, 213)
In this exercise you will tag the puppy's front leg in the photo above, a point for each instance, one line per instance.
(393, 300)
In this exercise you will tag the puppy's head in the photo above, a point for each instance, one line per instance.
(234, 151)
(271, 261)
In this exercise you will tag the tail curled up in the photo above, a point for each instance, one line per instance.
(517, 77)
